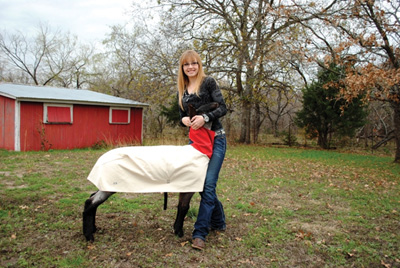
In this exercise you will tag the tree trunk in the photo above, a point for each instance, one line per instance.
(396, 121)
(245, 124)
(246, 111)
(256, 122)
(275, 128)
(323, 141)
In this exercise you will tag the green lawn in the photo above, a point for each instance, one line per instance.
(285, 207)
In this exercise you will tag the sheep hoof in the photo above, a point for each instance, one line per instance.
(89, 237)
(179, 233)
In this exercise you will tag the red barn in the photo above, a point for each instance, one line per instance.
(36, 118)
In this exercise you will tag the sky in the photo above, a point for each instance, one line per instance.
(90, 20)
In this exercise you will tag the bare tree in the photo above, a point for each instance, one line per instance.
(379, 130)
(81, 71)
(239, 35)
(141, 65)
(42, 58)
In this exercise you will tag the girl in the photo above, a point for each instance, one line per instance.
(197, 89)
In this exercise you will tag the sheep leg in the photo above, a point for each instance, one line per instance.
(183, 208)
(89, 213)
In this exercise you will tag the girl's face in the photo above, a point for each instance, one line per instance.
(191, 68)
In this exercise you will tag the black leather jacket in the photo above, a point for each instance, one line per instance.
(209, 92)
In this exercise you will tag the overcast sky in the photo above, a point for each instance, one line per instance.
(88, 19)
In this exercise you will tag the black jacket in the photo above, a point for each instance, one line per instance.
(209, 92)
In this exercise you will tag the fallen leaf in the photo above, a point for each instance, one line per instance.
(302, 235)
(238, 239)
(169, 255)
(246, 261)
(387, 265)
(129, 254)
(184, 243)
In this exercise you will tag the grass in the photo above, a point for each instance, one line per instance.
(285, 207)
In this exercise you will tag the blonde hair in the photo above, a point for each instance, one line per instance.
(187, 57)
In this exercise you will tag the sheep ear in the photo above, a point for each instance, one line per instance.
(207, 107)
(192, 111)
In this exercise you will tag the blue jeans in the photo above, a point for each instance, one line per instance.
(211, 212)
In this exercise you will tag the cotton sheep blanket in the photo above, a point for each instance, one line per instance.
(164, 168)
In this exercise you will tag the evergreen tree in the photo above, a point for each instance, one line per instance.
(324, 114)
(171, 112)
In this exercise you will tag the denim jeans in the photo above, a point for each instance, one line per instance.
(211, 212)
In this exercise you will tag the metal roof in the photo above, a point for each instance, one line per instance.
(62, 95)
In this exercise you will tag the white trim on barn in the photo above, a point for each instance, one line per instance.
(111, 121)
(17, 143)
(45, 111)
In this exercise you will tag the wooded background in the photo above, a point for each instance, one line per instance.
(264, 54)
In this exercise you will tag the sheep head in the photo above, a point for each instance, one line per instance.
(202, 109)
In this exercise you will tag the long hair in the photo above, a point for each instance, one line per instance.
(187, 57)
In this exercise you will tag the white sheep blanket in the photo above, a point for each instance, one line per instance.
(165, 168)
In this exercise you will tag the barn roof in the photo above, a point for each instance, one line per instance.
(63, 95)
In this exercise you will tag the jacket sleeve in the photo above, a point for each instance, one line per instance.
(216, 96)
(182, 113)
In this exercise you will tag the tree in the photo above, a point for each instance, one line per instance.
(379, 78)
(171, 112)
(42, 59)
(81, 73)
(323, 114)
(284, 99)
(238, 37)
(369, 42)
(141, 65)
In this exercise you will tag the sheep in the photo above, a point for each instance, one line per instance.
(113, 173)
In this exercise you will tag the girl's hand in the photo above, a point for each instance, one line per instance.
(197, 122)
(186, 121)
